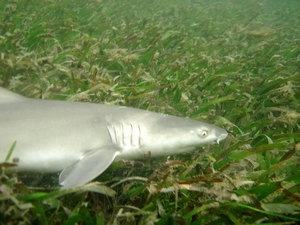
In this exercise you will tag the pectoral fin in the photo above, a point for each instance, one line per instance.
(86, 169)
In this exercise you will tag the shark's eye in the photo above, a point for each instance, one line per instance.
(203, 133)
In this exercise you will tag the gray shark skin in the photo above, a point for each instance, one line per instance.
(83, 139)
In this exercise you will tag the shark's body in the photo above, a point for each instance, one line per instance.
(83, 139)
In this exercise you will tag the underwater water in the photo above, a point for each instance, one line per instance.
(233, 63)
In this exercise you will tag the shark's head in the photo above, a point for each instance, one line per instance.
(172, 135)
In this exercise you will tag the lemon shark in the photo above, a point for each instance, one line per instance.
(82, 139)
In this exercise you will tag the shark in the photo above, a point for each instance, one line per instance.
(81, 140)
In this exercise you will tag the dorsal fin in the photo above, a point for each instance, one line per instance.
(8, 96)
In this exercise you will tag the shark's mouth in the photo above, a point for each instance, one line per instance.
(221, 138)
